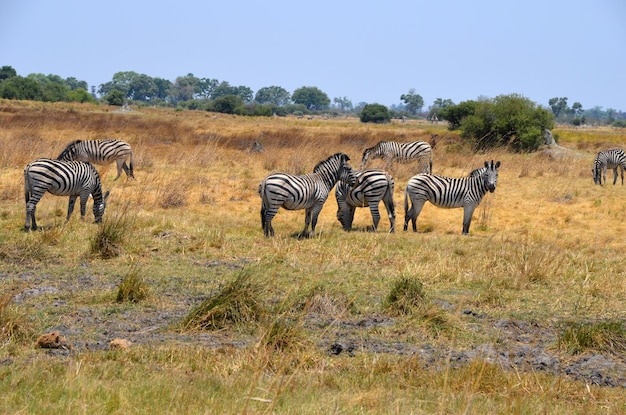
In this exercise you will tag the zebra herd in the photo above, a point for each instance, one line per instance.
(370, 187)
(72, 174)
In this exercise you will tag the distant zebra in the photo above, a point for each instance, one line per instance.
(370, 188)
(609, 159)
(308, 192)
(101, 152)
(391, 151)
(62, 178)
(446, 192)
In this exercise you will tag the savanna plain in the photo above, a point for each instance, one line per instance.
(525, 315)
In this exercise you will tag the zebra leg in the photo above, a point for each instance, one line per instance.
(615, 175)
(30, 216)
(375, 214)
(391, 214)
(308, 218)
(120, 165)
(266, 221)
(127, 170)
(70, 207)
(468, 211)
(413, 213)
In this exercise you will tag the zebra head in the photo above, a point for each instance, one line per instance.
(597, 171)
(490, 175)
(343, 210)
(98, 207)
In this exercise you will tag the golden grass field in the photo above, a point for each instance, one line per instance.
(544, 258)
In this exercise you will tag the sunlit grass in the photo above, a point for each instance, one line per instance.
(546, 248)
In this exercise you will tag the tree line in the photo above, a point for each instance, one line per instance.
(507, 120)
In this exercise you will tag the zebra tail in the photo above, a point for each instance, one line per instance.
(130, 165)
(27, 184)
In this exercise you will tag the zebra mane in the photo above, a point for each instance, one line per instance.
(68, 148)
(340, 156)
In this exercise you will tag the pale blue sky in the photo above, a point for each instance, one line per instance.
(366, 51)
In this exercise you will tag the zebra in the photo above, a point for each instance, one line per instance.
(101, 152)
(62, 178)
(371, 187)
(402, 152)
(447, 192)
(609, 159)
(308, 191)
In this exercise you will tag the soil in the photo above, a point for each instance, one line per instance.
(522, 346)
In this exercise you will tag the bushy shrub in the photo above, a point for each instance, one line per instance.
(375, 113)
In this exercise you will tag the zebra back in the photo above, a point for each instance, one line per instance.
(101, 152)
(401, 152)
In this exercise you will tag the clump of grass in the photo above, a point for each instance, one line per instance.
(173, 196)
(405, 297)
(133, 288)
(107, 242)
(238, 303)
(284, 335)
(604, 336)
(13, 325)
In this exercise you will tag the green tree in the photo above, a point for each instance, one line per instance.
(508, 120)
(224, 89)
(142, 88)
(115, 97)
(227, 104)
(80, 95)
(75, 84)
(184, 88)
(455, 114)
(311, 97)
(413, 101)
(343, 103)
(7, 72)
(558, 105)
(19, 87)
(276, 95)
(121, 82)
(375, 113)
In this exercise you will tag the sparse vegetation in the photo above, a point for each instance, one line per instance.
(510, 319)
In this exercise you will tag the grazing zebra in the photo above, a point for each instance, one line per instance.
(308, 192)
(391, 151)
(62, 178)
(370, 188)
(609, 159)
(447, 192)
(101, 152)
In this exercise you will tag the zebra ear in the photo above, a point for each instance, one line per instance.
(106, 195)
(487, 164)
(497, 164)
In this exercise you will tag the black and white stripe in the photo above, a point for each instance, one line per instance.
(609, 159)
(391, 151)
(371, 187)
(62, 178)
(101, 152)
(308, 191)
(447, 192)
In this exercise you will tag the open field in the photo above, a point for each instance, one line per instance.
(525, 315)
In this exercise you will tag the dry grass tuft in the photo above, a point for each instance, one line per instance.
(405, 297)
(238, 303)
(133, 287)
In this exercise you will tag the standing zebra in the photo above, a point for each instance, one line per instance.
(609, 159)
(447, 192)
(402, 152)
(101, 152)
(62, 178)
(308, 192)
(370, 188)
